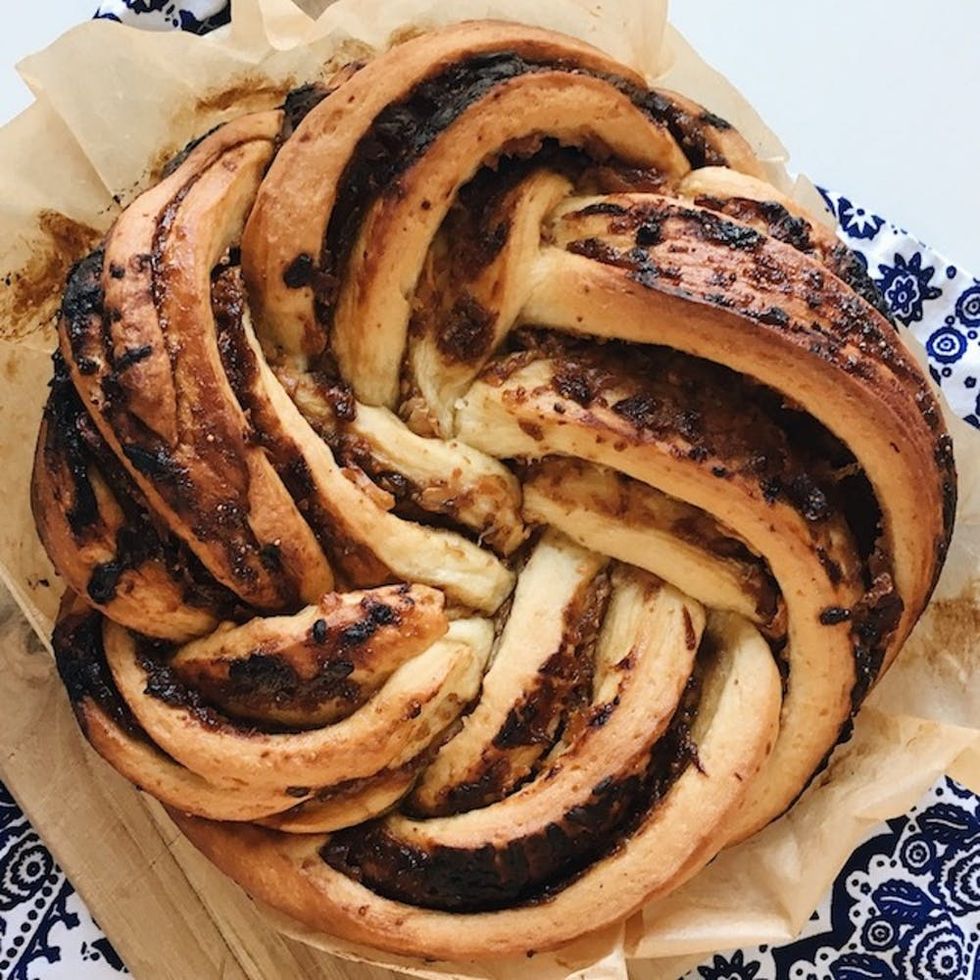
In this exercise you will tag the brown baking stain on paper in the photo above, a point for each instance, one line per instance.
(250, 93)
(29, 296)
(406, 33)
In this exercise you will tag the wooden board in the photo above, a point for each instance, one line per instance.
(167, 911)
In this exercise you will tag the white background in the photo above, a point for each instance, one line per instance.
(889, 113)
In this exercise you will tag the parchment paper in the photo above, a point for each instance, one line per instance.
(113, 103)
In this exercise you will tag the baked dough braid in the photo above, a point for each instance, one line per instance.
(481, 496)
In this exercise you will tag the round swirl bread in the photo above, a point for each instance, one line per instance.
(482, 498)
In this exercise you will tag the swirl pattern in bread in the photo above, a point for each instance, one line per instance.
(481, 496)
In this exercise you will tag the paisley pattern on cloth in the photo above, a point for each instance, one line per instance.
(906, 906)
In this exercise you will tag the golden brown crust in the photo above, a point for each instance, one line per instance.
(791, 318)
(483, 328)
(293, 209)
(318, 666)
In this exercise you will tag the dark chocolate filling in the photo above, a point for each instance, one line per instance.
(265, 678)
(238, 361)
(530, 869)
(80, 658)
(561, 690)
(722, 413)
(74, 442)
(299, 103)
(65, 415)
(179, 158)
(403, 131)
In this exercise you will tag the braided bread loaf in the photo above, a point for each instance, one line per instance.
(481, 496)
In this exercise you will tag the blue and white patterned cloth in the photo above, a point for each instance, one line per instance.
(197, 16)
(936, 300)
(906, 906)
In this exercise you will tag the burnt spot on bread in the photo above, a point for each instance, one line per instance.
(595, 249)
(712, 228)
(155, 462)
(298, 104)
(82, 300)
(132, 356)
(577, 383)
(603, 207)
(103, 582)
(649, 233)
(376, 614)
(600, 714)
(270, 554)
(834, 572)
(641, 410)
(770, 216)
(714, 120)
(175, 162)
(300, 272)
(801, 489)
(834, 616)
(29, 294)
(318, 632)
